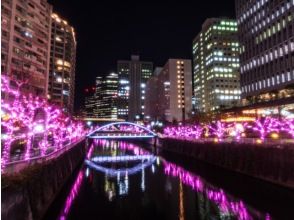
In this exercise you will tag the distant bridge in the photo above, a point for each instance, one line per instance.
(121, 130)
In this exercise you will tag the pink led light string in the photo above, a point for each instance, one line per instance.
(131, 147)
(136, 150)
(263, 127)
(288, 126)
(218, 129)
(33, 120)
(266, 126)
(194, 132)
(217, 196)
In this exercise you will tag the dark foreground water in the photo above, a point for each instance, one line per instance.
(120, 180)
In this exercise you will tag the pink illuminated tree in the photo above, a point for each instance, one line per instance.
(196, 131)
(218, 129)
(25, 116)
(265, 126)
(287, 125)
(237, 129)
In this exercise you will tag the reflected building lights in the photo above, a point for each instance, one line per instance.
(181, 202)
(143, 180)
(87, 172)
(124, 185)
(109, 188)
(153, 168)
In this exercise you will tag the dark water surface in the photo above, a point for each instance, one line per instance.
(121, 180)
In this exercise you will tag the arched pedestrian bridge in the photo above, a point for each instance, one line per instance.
(121, 130)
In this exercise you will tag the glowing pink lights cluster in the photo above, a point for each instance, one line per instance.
(125, 128)
(39, 125)
(266, 126)
(288, 126)
(218, 129)
(136, 150)
(261, 127)
(194, 132)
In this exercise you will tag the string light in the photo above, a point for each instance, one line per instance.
(25, 117)
(262, 127)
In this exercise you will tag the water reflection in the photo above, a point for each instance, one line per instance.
(145, 161)
(75, 188)
(228, 207)
(168, 188)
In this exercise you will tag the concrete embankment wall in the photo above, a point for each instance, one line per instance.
(28, 194)
(270, 163)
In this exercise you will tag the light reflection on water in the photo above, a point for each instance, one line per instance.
(130, 166)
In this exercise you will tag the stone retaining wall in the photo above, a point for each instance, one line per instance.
(271, 163)
(28, 194)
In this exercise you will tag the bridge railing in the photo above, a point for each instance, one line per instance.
(267, 141)
(108, 127)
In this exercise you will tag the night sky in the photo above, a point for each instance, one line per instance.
(111, 30)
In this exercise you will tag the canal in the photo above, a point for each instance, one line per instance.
(121, 180)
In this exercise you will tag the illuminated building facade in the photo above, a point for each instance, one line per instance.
(98, 99)
(266, 34)
(132, 77)
(25, 43)
(170, 92)
(151, 97)
(90, 102)
(106, 96)
(216, 65)
(62, 64)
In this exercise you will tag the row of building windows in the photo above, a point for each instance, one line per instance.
(269, 82)
(252, 10)
(268, 56)
(261, 19)
(275, 28)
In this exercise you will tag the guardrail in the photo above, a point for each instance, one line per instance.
(232, 140)
(16, 166)
(120, 135)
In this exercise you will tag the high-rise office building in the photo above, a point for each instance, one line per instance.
(62, 64)
(106, 97)
(133, 75)
(216, 65)
(170, 92)
(98, 96)
(90, 102)
(25, 43)
(151, 97)
(266, 35)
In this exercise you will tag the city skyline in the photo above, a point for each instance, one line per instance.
(120, 35)
(143, 110)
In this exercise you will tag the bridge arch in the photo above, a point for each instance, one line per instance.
(150, 133)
